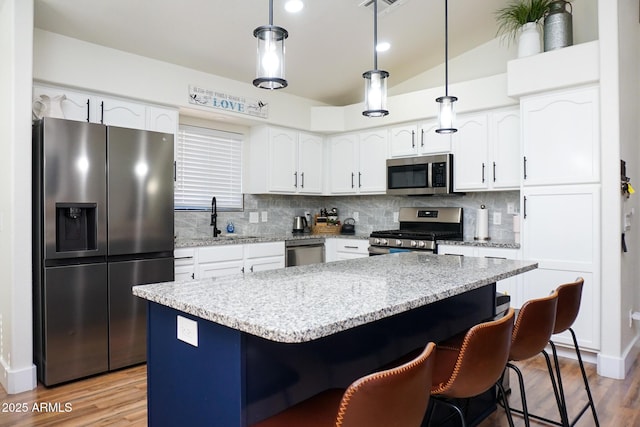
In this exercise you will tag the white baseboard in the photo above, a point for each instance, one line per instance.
(618, 367)
(17, 381)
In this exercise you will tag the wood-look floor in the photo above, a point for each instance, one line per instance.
(119, 399)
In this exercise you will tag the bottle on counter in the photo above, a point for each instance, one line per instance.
(230, 227)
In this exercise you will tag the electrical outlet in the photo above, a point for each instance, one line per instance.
(187, 330)
(395, 217)
(253, 217)
(356, 216)
(511, 208)
(497, 218)
(264, 216)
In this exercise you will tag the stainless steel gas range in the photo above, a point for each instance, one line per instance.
(420, 229)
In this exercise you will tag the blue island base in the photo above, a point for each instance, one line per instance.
(234, 379)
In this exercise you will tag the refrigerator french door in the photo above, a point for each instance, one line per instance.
(102, 223)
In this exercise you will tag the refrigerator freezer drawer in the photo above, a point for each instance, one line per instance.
(75, 323)
(128, 313)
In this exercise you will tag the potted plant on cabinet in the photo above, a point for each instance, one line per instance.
(522, 18)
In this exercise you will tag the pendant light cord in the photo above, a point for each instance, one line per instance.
(446, 48)
(270, 12)
(375, 34)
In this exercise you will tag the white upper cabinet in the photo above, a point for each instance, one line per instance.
(310, 163)
(116, 112)
(504, 142)
(284, 161)
(372, 169)
(51, 101)
(418, 139)
(162, 120)
(561, 137)
(471, 153)
(486, 151)
(86, 107)
(357, 163)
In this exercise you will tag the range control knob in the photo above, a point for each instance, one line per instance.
(383, 242)
(376, 241)
(414, 243)
(421, 244)
(398, 242)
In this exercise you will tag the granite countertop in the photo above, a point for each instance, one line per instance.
(232, 239)
(506, 244)
(299, 304)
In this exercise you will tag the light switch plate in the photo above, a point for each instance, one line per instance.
(188, 330)
(497, 218)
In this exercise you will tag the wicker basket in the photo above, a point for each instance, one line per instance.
(324, 228)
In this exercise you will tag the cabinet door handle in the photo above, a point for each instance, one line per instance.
(88, 107)
(524, 208)
(483, 172)
(102, 112)
(413, 139)
(422, 138)
(525, 166)
(193, 275)
(251, 269)
(242, 270)
(175, 170)
(350, 247)
(494, 171)
(295, 179)
(352, 184)
(359, 179)
(302, 180)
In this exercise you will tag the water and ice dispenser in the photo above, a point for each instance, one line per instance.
(76, 227)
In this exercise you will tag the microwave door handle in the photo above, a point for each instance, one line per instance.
(430, 175)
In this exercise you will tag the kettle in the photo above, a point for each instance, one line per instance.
(300, 224)
(349, 226)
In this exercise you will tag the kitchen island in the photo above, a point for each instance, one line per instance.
(267, 340)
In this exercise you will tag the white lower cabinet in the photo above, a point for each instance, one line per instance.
(225, 260)
(263, 256)
(561, 231)
(342, 249)
(218, 261)
(185, 264)
(511, 286)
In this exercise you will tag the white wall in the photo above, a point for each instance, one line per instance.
(629, 52)
(17, 372)
(74, 63)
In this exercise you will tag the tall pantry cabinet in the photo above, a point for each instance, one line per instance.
(560, 203)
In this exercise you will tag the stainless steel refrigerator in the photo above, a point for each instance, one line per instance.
(102, 223)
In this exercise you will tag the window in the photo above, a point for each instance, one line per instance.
(208, 163)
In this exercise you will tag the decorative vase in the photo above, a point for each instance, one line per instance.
(529, 41)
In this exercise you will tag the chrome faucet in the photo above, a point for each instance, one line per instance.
(214, 217)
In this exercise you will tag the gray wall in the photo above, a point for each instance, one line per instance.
(375, 213)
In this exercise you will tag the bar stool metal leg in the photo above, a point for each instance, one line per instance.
(590, 403)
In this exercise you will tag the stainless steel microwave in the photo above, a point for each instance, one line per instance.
(423, 175)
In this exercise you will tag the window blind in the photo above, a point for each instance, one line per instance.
(208, 163)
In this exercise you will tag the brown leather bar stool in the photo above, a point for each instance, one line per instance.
(569, 298)
(395, 397)
(531, 333)
(471, 363)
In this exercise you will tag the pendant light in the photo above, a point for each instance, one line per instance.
(375, 81)
(446, 112)
(270, 56)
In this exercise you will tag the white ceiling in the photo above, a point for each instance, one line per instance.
(330, 42)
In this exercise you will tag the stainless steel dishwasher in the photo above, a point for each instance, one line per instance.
(304, 251)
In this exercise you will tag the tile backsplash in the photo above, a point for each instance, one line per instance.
(375, 213)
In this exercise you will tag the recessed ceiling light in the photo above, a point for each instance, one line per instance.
(293, 6)
(383, 46)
